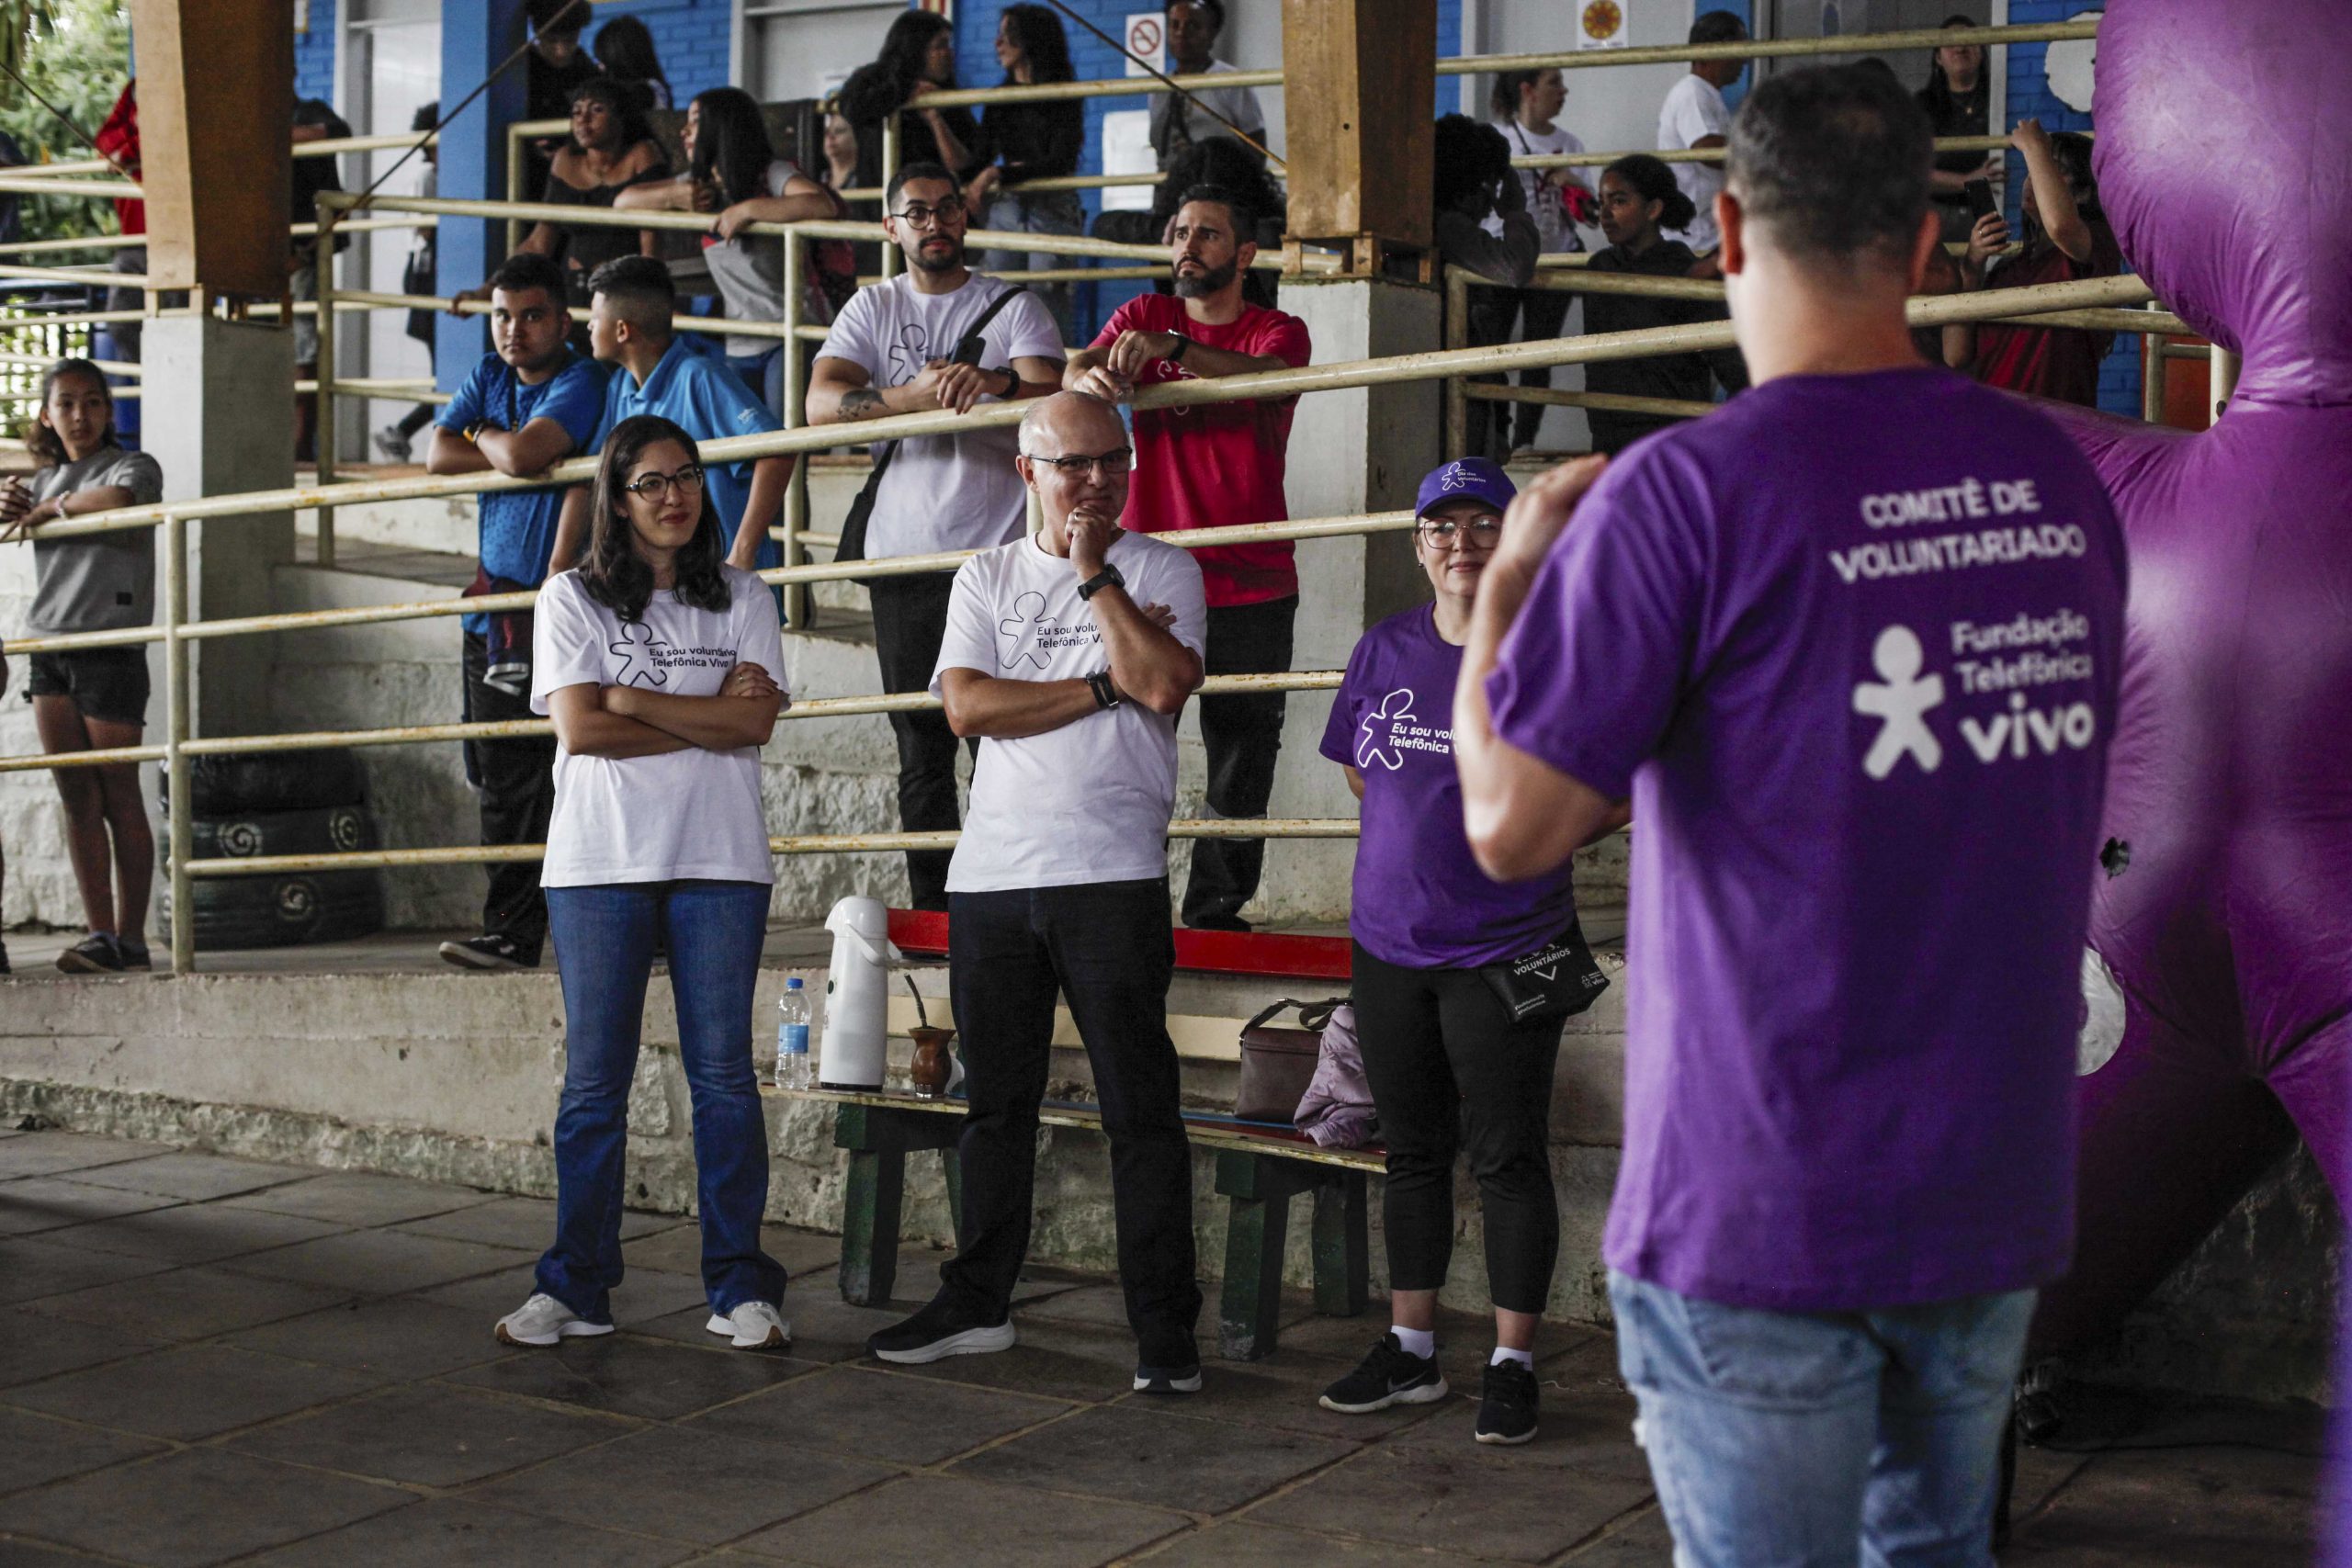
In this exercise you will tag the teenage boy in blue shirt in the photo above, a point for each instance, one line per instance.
(524, 409)
(657, 372)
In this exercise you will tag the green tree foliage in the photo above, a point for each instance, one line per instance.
(76, 54)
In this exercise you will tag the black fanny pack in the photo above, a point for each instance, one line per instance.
(1557, 980)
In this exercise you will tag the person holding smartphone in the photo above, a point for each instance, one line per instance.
(656, 661)
(1458, 1056)
(2066, 238)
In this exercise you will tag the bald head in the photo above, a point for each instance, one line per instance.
(1071, 424)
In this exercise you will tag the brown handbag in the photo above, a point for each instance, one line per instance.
(1278, 1063)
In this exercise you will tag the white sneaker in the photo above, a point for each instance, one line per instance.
(543, 1320)
(752, 1325)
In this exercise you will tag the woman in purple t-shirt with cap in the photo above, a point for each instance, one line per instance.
(1459, 1032)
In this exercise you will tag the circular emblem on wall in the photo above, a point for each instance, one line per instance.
(1603, 20)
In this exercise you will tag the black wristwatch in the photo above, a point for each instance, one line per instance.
(1012, 380)
(1183, 345)
(1109, 577)
(1106, 695)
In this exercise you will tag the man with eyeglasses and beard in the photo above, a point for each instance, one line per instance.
(1070, 654)
(894, 350)
(1212, 466)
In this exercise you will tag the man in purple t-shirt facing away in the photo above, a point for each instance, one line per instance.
(1849, 643)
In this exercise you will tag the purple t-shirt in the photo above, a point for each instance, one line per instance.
(1420, 901)
(1850, 643)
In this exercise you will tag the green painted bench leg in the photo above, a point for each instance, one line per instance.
(1343, 1246)
(1257, 1225)
(870, 1208)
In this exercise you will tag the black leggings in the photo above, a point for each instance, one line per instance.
(1448, 1070)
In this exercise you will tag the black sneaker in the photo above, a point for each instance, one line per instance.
(488, 953)
(1169, 1363)
(1390, 1375)
(134, 954)
(97, 954)
(3, 958)
(1507, 1403)
(941, 1329)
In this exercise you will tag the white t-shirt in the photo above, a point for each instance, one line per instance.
(943, 492)
(1693, 110)
(1541, 186)
(1089, 802)
(690, 813)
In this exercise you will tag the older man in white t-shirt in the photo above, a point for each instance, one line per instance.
(1069, 653)
(1695, 115)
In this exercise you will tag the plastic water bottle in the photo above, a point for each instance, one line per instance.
(792, 1038)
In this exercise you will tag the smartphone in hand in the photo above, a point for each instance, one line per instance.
(1979, 194)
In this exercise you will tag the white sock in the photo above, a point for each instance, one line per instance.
(1421, 1342)
(1505, 1353)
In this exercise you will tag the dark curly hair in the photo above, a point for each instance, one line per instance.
(615, 575)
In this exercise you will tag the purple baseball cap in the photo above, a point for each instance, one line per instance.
(1469, 479)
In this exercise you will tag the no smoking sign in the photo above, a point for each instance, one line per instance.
(1146, 37)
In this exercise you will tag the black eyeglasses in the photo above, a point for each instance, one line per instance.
(922, 217)
(1113, 464)
(656, 487)
(1482, 529)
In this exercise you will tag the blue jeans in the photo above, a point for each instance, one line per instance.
(604, 942)
(763, 373)
(1047, 212)
(1822, 1440)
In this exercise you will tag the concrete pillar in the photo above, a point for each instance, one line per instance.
(1360, 450)
(213, 436)
(476, 38)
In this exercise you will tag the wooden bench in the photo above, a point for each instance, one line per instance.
(1258, 1169)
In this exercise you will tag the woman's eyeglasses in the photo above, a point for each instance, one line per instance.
(656, 487)
(1480, 530)
(1113, 464)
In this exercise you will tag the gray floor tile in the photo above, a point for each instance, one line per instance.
(362, 1197)
(399, 1338)
(429, 1435)
(193, 1233)
(644, 1294)
(1513, 1509)
(629, 1376)
(31, 1554)
(525, 1223)
(188, 1394)
(683, 1483)
(33, 1346)
(35, 1449)
(30, 1268)
(1242, 1543)
(448, 1533)
(929, 1519)
(1641, 1543)
(46, 1154)
(35, 1204)
(1283, 1392)
(193, 1507)
(2212, 1507)
(678, 1248)
(880, 1416)
(378, 1263)
(196, 1176)
(186, 1304)
(1143, 1452)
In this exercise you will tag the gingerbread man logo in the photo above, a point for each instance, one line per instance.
(1372, 742)
(639, 652)
(1022, 629)
(1900, 699)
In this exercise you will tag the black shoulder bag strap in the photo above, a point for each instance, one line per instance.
(969, 349)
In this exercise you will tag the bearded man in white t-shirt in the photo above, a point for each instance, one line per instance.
(1070, 654)
(1695, 115)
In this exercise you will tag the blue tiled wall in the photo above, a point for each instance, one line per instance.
(689, 35)
(315, 54)
(2030, 95)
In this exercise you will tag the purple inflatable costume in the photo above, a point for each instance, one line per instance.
(2224, 160)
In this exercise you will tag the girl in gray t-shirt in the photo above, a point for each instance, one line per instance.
(86, 698)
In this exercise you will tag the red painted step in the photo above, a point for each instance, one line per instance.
(1219, 953)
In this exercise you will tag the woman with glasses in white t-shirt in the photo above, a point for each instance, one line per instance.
(654, 659)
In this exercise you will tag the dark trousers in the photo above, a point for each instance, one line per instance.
(1449, 1071)
(1243, 736)
(909, 621)
(1106, 948)
(516, 779)
(1495, 315)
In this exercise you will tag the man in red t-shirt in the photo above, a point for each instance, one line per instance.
(1213, 466)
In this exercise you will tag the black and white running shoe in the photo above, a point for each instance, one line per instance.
(1390, 1375)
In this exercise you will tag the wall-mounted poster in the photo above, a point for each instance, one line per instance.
(1602, 24)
